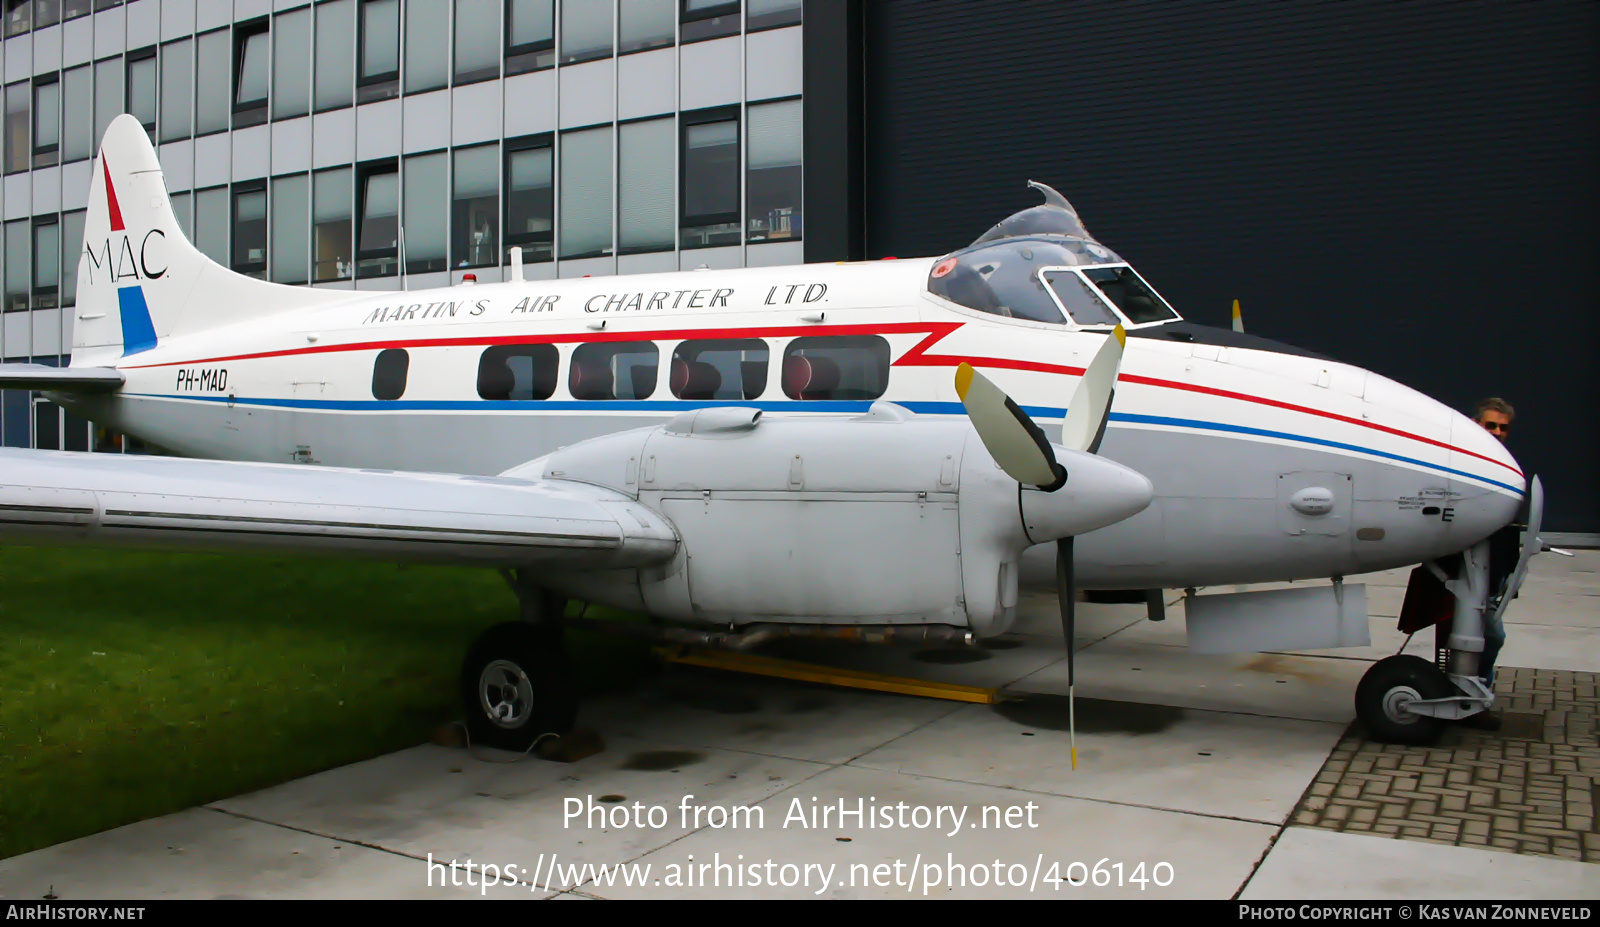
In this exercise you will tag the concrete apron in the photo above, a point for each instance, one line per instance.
(1191, 762)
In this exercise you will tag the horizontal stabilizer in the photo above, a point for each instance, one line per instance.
(62, 379)
(57, 497)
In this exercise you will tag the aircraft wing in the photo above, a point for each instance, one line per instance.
(128, 500)
(65, 379)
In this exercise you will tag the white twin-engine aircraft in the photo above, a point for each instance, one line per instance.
(744, 453)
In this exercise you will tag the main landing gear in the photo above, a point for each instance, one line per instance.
(516, 683)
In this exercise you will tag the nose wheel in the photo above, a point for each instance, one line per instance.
(1386, 694)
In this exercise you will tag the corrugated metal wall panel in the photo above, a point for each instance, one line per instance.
(1406, 186)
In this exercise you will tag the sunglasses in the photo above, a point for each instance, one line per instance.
(1496, 426)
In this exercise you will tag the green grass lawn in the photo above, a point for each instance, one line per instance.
(135, 684)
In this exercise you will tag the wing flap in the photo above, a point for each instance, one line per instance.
(62, 379)
(105, 499)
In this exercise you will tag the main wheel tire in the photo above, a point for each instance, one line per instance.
(1388, 687)
(516, 685)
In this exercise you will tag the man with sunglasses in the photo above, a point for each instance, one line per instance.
(1495, 415)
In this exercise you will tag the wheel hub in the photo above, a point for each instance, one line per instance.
(505, 694)
(1396, 703)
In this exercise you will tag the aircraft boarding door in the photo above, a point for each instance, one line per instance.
(882, 557)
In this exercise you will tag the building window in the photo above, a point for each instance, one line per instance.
(645, 24)
(378, 235)
(252, 48)
(108, 99)
(183, 211)
(422, 233)
(613, 370)
(291, 64)
(330, 225)
(336, 36)
(213, 78)
(46, 121)
(389, 374)
(836, 367)
(475, 207)
(710, 178)
(250, 228)
(77, 96)
(530, 35)
(427, 45)
(709, 19)
(142, 81)
(211, 223)
(530, 197)
(46, 13)
(722, 369)
(518, 372)
(646, 160)
(177, 82)
(586, 193)
(71, 249)
(291, 232)
(19, 262)
(46, 262)
(585, 30)
(46, 424)
(770, 14)
(16, 426)
(72, 9)
(378, 69)
(17, 119)
(19, 17)
(477, 51)
(772, 172)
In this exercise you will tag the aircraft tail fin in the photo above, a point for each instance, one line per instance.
(140, 280)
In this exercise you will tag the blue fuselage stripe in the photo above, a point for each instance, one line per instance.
(681, 405)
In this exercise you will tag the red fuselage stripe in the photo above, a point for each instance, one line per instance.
(918, 356)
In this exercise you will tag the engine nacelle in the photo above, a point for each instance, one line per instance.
(885, 519)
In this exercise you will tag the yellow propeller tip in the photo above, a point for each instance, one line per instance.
(964, 374)
(1074, 757)
(1122, 335)
(1236, 308)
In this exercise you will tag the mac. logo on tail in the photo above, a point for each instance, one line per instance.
(117, 259)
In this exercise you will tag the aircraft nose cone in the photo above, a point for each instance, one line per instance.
(1098, 492)
(1489, 484)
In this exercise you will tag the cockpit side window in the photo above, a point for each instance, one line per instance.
(1000, 278)
(1078, 299)
(1131, 295)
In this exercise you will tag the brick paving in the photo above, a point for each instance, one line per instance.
(1532, 787)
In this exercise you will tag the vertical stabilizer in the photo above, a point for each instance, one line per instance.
(140, 280)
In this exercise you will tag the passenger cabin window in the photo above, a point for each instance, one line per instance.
(725, 369)
(518, 372)
(389, 374)
(1131, 294)
(838, 367)
(613, 370)
(1078, 300)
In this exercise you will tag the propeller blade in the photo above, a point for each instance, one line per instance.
(1013, 440)
(1067, 595)
(1238, 318)
(1090, 408)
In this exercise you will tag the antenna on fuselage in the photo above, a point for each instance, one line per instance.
(404, 284)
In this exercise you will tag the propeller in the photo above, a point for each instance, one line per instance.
(1018, 445)
(1238, 317)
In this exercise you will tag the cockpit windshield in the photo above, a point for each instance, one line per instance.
(1003, 277)
(1041, 264)
(1133, 297)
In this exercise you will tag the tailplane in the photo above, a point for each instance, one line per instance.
(140, 280)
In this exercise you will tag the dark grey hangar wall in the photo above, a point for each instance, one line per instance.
(1405, 186)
